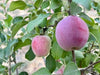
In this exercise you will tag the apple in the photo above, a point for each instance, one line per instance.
(41, 45)
(72, 33)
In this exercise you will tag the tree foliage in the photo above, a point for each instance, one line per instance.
(42, 18)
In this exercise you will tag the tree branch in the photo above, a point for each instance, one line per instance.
(16, 68)
(9, 67)
(90, 50)
(91, 65)
(70, 1)
(14, 60)
(51, 25)
(83, 70)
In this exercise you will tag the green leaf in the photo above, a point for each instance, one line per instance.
(8, 20)
(87, 19)
(21, 44)
(55, 4)
(40, 11)
(23, 73)
(17, 5)
(44, 23)
(91, 38)
(45, 4)
(27, 36)
(42, 71)
(97, 20)
(57, 10)
(30, 55)
(38, 3)
(56, 51)
(50, 63)
(58, 64)
(2, 37)
(96, 6)
(2, 55)
(2, 68)
(17, 26)
(75, 9)
(79, 55)
(68, 59)
(85, 3)
(36, 22)
(8, 49)
(55, 17)
(83, 15)
(96, 34)
(5, 73)
(86, 61)
(71, 69)
(1, 11)
(14, 67)
(32, 16)
(1, 27)
(17, 19)
(97, 67)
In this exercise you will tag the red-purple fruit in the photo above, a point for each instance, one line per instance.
(72, 33)
(41, 45)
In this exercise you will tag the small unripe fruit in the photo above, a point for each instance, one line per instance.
(72, 33)
(41, 45)
(61, 70)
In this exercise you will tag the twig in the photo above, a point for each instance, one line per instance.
(16, 68)
(14, 60)
(84, 10)
(82, 72)
(45, 29)
(73, 55)
(51, 25)
(70, 1)
(91, 47)
(9, 66)
(91, 65)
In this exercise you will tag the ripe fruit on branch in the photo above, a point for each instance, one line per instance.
(41, 45)
(72, 33)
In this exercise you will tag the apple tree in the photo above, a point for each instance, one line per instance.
(65, 55)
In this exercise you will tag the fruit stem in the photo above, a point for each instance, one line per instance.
(73, 55)
(69, 6)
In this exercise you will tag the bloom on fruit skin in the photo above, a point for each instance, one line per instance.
(41, 45)
(72, 33)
